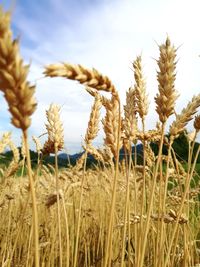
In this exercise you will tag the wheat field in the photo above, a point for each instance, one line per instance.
(119, 212)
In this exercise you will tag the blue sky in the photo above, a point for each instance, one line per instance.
(107, 35)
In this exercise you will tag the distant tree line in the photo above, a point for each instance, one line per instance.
(180, 146)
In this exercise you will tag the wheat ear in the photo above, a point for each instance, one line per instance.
(94, 152)
(5, 140)
(14, 165)
(13, 74)
(91, 78)
(93, 124)
(197, 123)
(166, 76)
(94, 93)
(37, 144)
(111, 126)
(140, 88)
(130, 118)
(111, 122)
(54, 129)
(186, 115)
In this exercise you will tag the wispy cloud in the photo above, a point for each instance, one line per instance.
(106, 35)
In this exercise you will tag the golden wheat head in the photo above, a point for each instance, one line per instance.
(55, 130)
(166, 76)
(130, 118)
(197, 123)
(13, 77)
(91, 78)
(140, 88)
(186, 115)
(93, 124)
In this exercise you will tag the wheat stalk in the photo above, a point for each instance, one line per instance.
(142, 109)
(54, 144)
(19, 95)
(165, 103)
(14, 165)
(37, 144)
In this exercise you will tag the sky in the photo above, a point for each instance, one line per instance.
(107, 35)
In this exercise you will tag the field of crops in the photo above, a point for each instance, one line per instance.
(118, 213)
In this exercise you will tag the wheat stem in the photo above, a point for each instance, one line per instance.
(79, 213)
(34, 204)
(146, 230)
(187, 185)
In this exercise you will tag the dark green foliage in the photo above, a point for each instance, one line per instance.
(180, 146)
